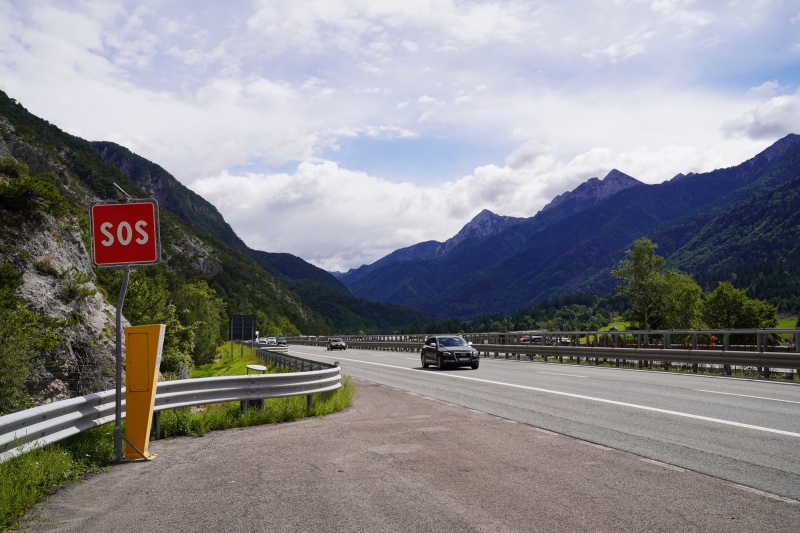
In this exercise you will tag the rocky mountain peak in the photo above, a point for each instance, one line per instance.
(483, 224)
(780, 146)
(593, 191)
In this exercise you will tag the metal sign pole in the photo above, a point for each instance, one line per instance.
(118, 395)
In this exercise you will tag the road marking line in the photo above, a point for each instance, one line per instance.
(557, 374)
(411, 359)
(663, 465)
(746, 396)
(583, 397)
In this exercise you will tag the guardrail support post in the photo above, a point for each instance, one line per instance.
(309, 402)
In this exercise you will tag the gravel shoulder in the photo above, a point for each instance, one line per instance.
(398, 461)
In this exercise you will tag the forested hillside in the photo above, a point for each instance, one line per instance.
(755, 245)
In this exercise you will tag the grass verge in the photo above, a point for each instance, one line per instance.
(28, 478)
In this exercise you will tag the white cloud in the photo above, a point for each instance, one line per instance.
(551, 92)
(768, 88)
(772, 119)
(425, 99)
(410, 46)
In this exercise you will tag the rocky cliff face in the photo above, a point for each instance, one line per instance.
(58, 282)
(593, 191)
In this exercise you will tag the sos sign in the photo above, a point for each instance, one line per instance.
(125, 233)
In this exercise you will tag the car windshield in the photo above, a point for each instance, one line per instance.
(336, 340)
(452, 341)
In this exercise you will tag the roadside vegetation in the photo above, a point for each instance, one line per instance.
(30, 477)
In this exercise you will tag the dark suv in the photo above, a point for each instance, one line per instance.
(449, 350)
(336, 344)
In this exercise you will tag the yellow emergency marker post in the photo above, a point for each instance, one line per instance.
(143, 346)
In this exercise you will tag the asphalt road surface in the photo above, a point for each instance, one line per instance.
(401, 461)
(742, 430)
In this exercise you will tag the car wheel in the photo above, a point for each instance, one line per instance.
(425, 363)
(439, 362)
(474, 366)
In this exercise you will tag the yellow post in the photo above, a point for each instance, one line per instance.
(143, 346)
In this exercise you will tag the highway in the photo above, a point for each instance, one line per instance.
(746, 431)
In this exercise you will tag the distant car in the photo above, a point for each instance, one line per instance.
(262, 341)
(282, 342)
(336, 344)
(532, 339)
(449, 350)
(272, 341)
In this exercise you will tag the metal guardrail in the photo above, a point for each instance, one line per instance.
(707, 347)
(58, 420)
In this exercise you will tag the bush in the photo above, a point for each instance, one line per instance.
(26, 195)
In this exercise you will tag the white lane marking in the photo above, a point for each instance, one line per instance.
(583, 397)
(746, 396)
(663, 465)
(557, 374)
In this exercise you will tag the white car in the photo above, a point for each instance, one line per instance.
(272, 341)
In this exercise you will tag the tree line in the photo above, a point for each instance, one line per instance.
(647, 297)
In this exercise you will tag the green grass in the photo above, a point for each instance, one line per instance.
(224, 367)
(200, 420)
(788, 322)
(28, 478)
(619, 324)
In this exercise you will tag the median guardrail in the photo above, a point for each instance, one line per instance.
(58, 420)
(726, 347)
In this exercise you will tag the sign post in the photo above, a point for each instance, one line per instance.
(123, 234)
(242, 328)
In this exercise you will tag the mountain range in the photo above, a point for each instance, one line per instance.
(500, 264)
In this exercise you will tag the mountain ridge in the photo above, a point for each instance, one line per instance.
(556, 250)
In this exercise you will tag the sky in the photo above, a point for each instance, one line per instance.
(340, 131)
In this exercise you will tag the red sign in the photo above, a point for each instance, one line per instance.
(125, 233)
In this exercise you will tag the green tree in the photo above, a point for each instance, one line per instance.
(729, 307)
(658, 300)
(682, 301)
(178, 342)
(200, 309)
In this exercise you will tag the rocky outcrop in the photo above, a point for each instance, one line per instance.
(58, 282)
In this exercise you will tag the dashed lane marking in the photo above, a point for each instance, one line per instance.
(746, 396)
(580, 396)
(558, 374)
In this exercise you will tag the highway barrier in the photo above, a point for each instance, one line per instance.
(53, 422)
(729, 348)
